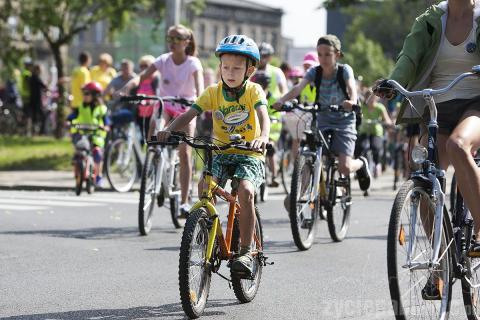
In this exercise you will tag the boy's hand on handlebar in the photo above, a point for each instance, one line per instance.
(118, 94)
(162, 136)
(260, 143)
(347, 105)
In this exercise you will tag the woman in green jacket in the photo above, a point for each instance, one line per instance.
(443, 43)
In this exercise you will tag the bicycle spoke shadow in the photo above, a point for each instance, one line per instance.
(89, 233)
(170, 311)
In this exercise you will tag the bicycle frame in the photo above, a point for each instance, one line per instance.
(164, 173)
(216, 232)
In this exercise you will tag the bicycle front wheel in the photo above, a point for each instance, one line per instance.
(121, 165)
(409, 251)
(147, 194)
(246, 289)
(286, 168)
(194, 273)
(302, 212)
(338, 206)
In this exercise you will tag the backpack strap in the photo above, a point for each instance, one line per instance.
(340, 80)
(318, 81)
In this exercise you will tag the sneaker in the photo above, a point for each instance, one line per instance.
(474, 251)
(98, 182)
(243, 264)
(363, 175)
(184, 210)
(273, 184)
(433, 289)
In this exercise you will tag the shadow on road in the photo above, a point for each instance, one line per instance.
(87, 234)
(171, 310)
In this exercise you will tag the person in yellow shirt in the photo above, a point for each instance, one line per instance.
(103, 73)
(238, 106)
(80, 77)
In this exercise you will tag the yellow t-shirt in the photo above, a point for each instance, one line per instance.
(103, 77)
(80, 77)
(231, 116)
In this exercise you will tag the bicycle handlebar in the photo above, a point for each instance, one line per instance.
(427, 93)
(294, 104)
(86, 127)
(177, 137)
(140, 97)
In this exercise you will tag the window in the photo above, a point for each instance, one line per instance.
(253, 34)
(225, 33)
(202, 35)
(215, 35)
(99, 32)
(274, 40)
(239, 30)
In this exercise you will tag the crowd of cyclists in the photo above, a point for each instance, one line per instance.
(247, 96)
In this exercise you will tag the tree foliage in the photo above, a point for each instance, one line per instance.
(367, 59)
(59, 21)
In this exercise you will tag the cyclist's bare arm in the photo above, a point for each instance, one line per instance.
(282, 84)
(264, 119)
(199, 84)
(293, 93)
(352, 92)
(178, 124)
(136, 80)
(386, 118)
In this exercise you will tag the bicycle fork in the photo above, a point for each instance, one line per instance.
(438, 197)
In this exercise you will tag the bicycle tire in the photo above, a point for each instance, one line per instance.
(175, 201)
(302, 243)
(90, 184)
(194, 301)
(147, 194)
(338, 223)
(115, 170)
(245, 289)
(453, 193)
(397, 236)
(79, 177)
(284, 165)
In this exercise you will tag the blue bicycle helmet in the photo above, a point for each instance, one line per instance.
(239, 44)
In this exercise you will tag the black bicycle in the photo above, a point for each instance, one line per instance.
(317, 184)
(425, 250)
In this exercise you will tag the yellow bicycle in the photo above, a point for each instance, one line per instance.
(205, 245)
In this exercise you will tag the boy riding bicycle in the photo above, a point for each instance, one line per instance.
(238, 107)
(335, 86)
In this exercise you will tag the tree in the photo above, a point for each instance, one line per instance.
(387, 23)
(59, 21)
(367, 59)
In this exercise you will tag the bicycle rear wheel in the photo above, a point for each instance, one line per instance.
(246, 289)
(303, 214)
(121, 165)
(406, 281)
(286, 168)
(338, 206)
(147, 194)
(79, 176)
(194, 272)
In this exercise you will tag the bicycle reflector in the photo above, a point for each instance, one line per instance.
(419, 154)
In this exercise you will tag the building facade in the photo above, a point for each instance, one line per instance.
(223, 17)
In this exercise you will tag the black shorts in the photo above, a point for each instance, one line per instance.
(450, 113)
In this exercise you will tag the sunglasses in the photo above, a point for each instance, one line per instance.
(143, 66)
(87, 93)
(175, 39)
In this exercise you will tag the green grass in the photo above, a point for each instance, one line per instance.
(36, 153)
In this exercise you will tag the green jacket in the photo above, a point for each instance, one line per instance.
(419, 56)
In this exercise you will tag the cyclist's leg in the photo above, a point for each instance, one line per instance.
(464, 139)
(376, 145)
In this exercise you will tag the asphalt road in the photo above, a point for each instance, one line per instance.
(68, 257)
